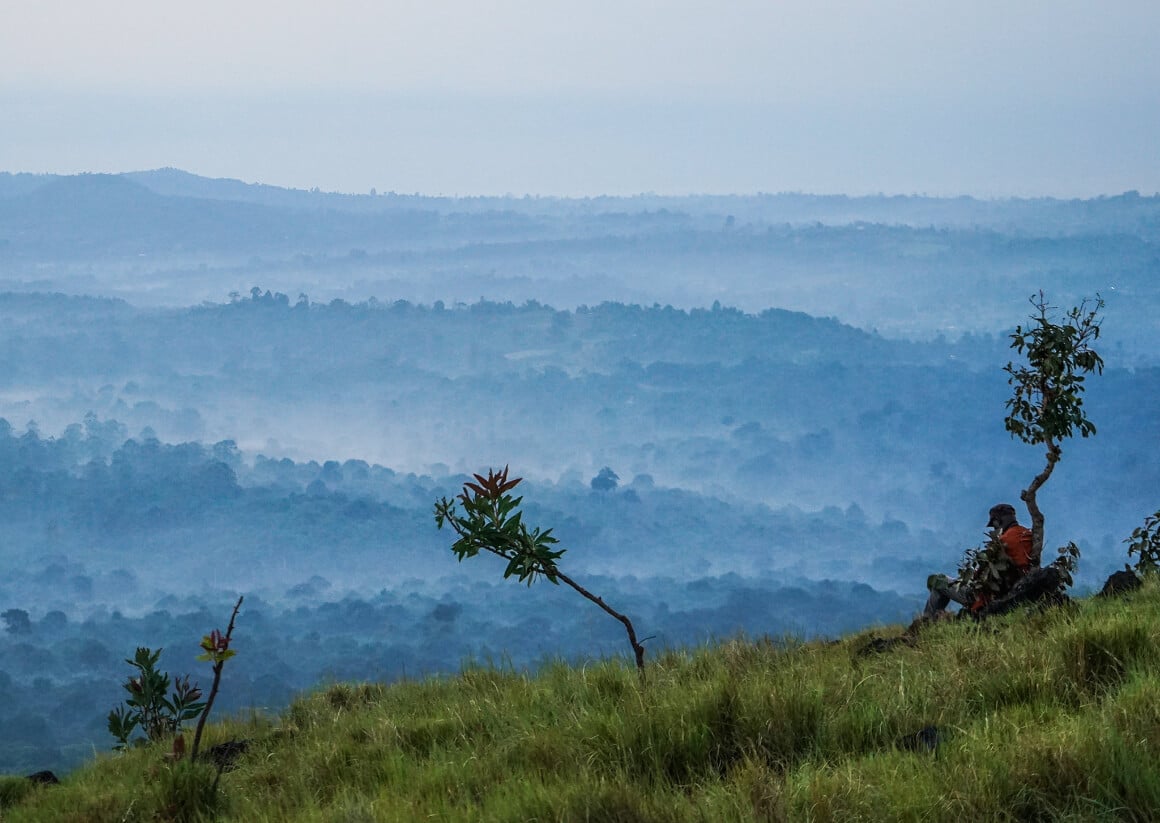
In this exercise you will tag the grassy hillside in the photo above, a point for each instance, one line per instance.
(1043, 716)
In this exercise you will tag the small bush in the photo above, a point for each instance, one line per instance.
(13, 790)
(187, 792)
(1145, 541)
(149, 706)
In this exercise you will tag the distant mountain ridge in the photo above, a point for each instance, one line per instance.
(908, 266)
(791, 206)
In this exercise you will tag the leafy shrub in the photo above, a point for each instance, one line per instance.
(986, 569)
(149, 706)
(152, 709)
(1145, 541)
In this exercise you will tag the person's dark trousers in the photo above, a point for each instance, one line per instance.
(942, 595)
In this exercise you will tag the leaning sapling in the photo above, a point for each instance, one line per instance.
(491, 521)
(157, 714)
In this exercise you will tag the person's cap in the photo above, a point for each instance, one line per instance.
(1000, 514)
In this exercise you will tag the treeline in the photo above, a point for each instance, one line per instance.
(263, 330)
(178, 518)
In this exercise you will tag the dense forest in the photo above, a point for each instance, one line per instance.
(777, 409)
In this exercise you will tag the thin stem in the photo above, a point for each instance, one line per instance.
(217, 679)
(637, 648)
(464, 530)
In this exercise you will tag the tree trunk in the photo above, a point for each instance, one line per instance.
(637, 648)
(1028, 496)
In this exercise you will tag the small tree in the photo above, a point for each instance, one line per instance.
(605, 480)
(491, 521)
(16, 621)
(1046, 405)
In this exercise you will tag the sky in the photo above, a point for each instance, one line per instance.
(982, 97)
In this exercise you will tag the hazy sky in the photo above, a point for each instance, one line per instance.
(983, 97)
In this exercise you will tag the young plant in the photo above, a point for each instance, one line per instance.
(1067, 563)
(491, 521)
(157, 714)
(215, 649)
(149, 706)
(1145, 541)
(1046, 405)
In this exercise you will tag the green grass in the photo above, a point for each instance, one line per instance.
(1043, 716)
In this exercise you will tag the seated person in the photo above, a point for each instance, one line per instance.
(1017, 545)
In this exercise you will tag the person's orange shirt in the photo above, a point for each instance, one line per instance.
(1016, 542)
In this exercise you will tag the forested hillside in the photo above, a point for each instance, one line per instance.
(1047, 715)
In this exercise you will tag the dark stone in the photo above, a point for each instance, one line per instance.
(1120, 582)
(878, 645)
(225, 755)
(925, 739)
(1043, 585)
(46, 777)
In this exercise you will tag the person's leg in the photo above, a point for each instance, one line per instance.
(961, 595)
(942, 595)
(937, 601)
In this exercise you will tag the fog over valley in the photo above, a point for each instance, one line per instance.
(763, 414)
